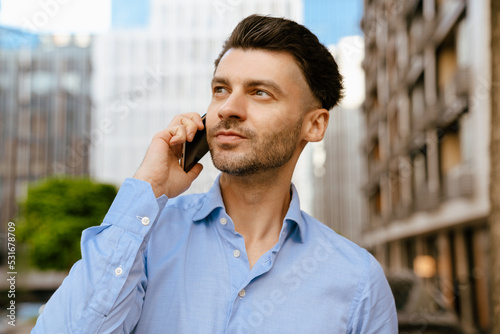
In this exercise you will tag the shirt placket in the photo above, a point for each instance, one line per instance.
(241, 275)
(234, 248)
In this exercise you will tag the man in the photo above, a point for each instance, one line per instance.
(241, 258)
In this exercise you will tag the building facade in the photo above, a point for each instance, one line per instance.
(44, 112)
(427, 112)
(338, 165)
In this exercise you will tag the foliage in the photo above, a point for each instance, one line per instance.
(55, 213)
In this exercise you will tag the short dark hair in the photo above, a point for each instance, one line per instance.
(282, 35)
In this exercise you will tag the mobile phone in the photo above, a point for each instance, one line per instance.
(194, 150)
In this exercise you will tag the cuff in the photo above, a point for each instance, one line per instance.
(135, 207)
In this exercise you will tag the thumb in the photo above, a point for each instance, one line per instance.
(195, 171)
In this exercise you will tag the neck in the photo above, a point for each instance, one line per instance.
(257, 203)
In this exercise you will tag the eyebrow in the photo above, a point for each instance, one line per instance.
(252, 83)
(219, 80)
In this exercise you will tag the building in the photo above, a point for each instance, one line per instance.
(338, 164)
(145, 76)
(44, 111)
(427, 112)
(494, 219)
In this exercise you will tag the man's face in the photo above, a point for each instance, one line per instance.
(255, 118)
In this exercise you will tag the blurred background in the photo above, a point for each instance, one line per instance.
(406, 169)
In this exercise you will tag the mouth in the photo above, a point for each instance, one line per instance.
(228, 136)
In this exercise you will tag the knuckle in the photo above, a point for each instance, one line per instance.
(180, 129)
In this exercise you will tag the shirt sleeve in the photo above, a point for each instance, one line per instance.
(375, 309)
(104, 291)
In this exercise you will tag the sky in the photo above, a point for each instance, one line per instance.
(328, 19)
(136, 14)
(331, 20)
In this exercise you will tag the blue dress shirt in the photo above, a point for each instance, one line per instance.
(181, 267)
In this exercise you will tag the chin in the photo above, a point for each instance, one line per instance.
(233, 163)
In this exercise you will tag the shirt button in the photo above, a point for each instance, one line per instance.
(145, 221)
(242, 293)
(223, 221)
(118, 271)
(236, 253)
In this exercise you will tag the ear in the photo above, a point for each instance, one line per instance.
(315, 125)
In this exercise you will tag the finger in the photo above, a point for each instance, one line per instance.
(178, 135)
(181, 127)
(195, 171)
(166, 134)
(192, 116)
(196, 118)
(190, 126)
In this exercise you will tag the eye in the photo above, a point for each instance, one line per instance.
(262, 93)
(217, 90)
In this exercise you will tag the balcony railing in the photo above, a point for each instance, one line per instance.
(426, 200)
(458, 182)
(401, 211)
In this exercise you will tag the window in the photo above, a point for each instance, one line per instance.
(395, 188)
(449, 149)
(376, 206)
(394, 130)
(420, 175)
(417, 103)
(446, 66)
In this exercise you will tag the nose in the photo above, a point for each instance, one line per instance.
(234, 107)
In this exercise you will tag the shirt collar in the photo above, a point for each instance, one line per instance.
(213, 200)
(294, 214)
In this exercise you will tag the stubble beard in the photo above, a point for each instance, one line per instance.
(265, 153)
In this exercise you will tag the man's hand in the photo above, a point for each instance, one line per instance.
(160, 166)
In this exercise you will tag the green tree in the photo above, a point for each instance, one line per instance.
(55, 213)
